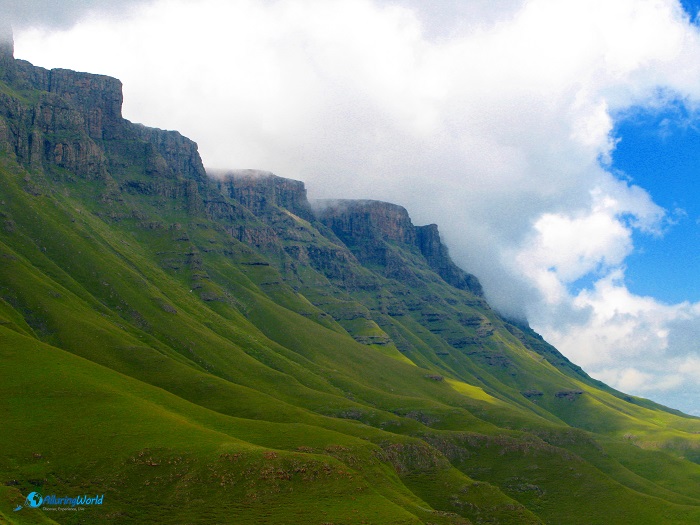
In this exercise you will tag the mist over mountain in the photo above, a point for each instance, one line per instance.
(214, 347)
(58, 15)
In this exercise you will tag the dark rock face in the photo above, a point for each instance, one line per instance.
(438, 257)
(569, 395)
(52, 132)
(259, 190)
(368, 220)
(380, 235)
(97, 97)
(77, 124)
(366, 226)
(171, 154)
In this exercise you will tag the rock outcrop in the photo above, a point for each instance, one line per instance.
(438, 257)
(351, 220)
(366, 226)
(171, 154)
(97, 98)
(259, 190)
(77, 124)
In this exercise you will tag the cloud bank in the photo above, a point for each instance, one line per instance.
(52, 14)
(495, 123)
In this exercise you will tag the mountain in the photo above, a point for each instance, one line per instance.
(199, 347)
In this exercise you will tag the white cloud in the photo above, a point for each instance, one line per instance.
(494, 123)
(565, 248)
(56, 14)
(633, 343)
(634, 380)
(617, 326)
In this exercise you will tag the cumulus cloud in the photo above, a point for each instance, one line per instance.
(495, 123)
(63, 14)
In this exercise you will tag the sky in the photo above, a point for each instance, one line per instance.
(554, 142)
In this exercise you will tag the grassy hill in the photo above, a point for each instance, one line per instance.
(216, 349)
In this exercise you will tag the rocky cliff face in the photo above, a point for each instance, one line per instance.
(260, 190)
(76, 123)
(97, 98)
(53, 132)
(351, 220)
(366, 226)
(438, 257)
(172, 154)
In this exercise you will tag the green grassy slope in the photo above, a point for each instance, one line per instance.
(201, 356)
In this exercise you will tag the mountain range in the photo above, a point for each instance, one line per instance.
(213, 347)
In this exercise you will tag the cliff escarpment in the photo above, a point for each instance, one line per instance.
(438, 257)
(259, 191)
(366, 226)
(214, 348)
(71, 120)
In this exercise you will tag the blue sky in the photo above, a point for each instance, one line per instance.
(692, 7)
(487, 118)
(660, 151)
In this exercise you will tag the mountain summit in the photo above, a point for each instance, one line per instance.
(214, 348)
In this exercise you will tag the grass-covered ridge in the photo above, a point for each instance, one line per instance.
(212, 351)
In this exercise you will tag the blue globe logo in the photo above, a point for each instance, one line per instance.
(34, 500)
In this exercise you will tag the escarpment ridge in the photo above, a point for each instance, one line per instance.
(213, 347)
